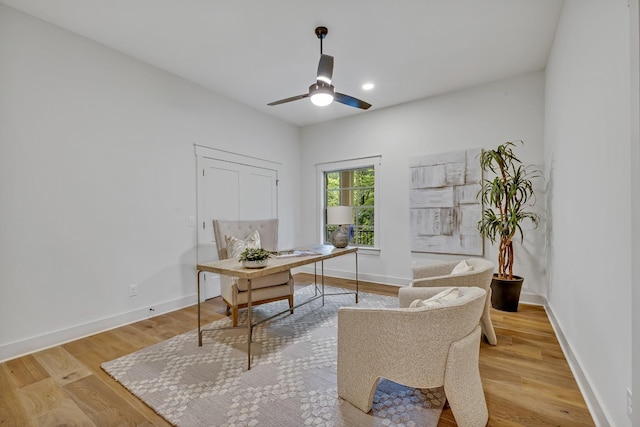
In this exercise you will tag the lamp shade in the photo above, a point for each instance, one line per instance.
(339, 215)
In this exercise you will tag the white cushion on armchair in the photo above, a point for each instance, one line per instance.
(439, 299)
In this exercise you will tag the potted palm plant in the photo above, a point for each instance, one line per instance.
(507, 200)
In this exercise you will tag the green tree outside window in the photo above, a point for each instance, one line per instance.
(355, 188)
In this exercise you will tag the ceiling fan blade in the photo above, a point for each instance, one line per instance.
(351, 101)
(325, 69)
(293, 98)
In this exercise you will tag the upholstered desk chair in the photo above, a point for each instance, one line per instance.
(479, 275)
(265, 289)
(421, 347)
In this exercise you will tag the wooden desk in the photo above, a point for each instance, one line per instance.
(231, 267)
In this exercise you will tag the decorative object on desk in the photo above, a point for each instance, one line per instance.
(292, 381)
(340, 216)
(507, 199)
(254, 258)
(297, 253)
(443, 209)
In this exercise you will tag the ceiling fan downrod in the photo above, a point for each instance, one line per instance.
(321, 32)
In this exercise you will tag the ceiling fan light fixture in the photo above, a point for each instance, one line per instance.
(321, 94)
(321, 99)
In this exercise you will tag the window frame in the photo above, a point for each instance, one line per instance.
(350, 164)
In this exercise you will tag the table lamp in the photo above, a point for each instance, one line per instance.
(340, 216)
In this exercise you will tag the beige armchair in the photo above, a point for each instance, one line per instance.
(423, 347)
(480, 275)
(265, 289)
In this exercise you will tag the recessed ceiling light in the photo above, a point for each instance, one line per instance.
(368, 86)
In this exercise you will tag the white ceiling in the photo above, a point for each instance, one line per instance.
(257, 51)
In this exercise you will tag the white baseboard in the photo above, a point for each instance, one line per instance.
(533, 299)
(29, 345)
(590, 395)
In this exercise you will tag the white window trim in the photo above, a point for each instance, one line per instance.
(360, 162)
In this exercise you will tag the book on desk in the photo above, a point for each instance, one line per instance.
(296, 253)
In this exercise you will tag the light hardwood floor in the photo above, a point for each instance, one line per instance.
(526, 379)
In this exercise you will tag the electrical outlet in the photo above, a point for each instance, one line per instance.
(629, 400)
(133, 290)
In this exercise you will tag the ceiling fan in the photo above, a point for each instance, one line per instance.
(322, 92)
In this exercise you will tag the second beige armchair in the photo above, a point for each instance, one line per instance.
(479, 275)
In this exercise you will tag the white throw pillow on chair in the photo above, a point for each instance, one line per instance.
(438, 300)
(462, 267)
(236, 246)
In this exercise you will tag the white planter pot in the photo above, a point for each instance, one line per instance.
(255, 264)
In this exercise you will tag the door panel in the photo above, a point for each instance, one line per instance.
(258, 200)
(220, 197)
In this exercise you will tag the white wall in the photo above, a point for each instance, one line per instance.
(587, 153)
(97, 182)
(479, 117)
(634, 48)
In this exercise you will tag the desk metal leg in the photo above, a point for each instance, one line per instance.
(315, 278)
(322, 273)
(356, 276)
(249, 325)
(199, 332)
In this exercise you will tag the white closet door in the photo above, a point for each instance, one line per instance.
(230, 190)
(258, 196)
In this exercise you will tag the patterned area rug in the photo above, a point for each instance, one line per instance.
(292, 381)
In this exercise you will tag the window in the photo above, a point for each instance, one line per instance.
(352, 183)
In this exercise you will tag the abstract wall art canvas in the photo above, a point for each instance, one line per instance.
(443, 208)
